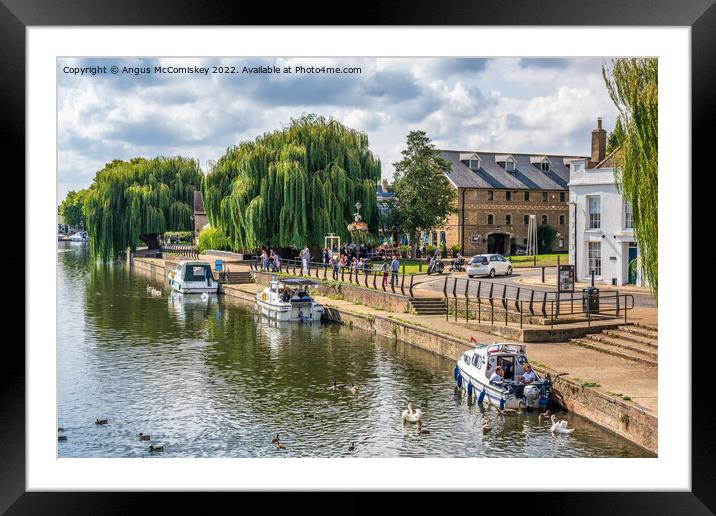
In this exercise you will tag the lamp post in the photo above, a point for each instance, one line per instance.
(574, 218)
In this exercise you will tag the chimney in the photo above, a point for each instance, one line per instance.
(385, 185)
(599, 143)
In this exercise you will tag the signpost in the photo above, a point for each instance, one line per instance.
(565, 283)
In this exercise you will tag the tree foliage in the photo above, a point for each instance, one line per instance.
(546, 234)
(633, 86)
(71, 208)
(129, 199)
(291, 187)
(423, 197)
(213, 238)
(616, 137)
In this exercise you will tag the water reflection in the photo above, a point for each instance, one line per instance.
(211, 378)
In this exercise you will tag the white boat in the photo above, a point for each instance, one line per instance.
(193, 277)
(60, 237)
(78, 237)
(475, 367)
(289, 300)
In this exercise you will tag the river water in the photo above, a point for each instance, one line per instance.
(212, 379)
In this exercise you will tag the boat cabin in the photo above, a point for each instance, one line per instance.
(193, 277)
(486, 358)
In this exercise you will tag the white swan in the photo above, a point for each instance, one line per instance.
(354, 389)
(204, 296)
(155, 292)
(560, 427)
(412, 416)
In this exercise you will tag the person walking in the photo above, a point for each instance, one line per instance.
(264, 260)
(385, 269)
(395, 266)
(305, 256)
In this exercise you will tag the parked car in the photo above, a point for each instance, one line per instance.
(488, 265)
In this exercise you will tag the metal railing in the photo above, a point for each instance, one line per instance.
(514, 302)
(395, 282)
(181, 250)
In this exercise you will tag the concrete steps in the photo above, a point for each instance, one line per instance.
(637, 344)
(237, 278)
(427, 305)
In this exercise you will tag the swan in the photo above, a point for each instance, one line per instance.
(143, 437)
(101, 422)
(156, 292)
(412, 416)
(354, 389)
(486, 427)
(560, 427)
(156, 447)
(204, 296)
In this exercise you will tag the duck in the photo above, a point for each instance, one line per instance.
(486, 427)
(509, 412)
(156, 447)
(337, 386)
(276, 439)
(61, 437)
(60, 429)
(101, 422)
(352, 447)
(279, 446)
(425, 404)
(307, 414)
(354, 389)
(560, 427)
(420, 430)
(412, 416)
(544, 416)
(143, 437)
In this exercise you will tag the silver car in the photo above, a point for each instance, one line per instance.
(488, 265)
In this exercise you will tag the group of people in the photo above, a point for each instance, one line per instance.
(270, 261)
(528, 376)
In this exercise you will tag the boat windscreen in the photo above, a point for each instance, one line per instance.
(197, 273)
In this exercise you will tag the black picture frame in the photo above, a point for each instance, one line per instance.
(16, 15)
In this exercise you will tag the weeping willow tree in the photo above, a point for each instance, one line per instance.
(140, 197)
(633, 86)
(291, 187)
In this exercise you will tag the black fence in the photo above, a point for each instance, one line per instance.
(515, 302)
(181, 250)
(395, 282)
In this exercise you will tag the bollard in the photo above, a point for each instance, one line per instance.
(542, 274)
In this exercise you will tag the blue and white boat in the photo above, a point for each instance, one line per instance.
(475, 367)
(289, 300)
(193, 277)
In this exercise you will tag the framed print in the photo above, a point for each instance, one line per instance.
(414, 253)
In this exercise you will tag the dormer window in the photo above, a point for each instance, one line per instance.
(541, 162)
(471, 160)
(506, 161)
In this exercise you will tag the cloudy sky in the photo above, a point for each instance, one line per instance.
(500, 104)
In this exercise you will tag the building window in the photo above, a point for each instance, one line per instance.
(508, 219)
(628, 220)
(594, 211)
(527, 196)
(435, 238)
(595, 258)
(544, 196)
(508, 196)
(544, 166)
(490, 195)
(561, 242)
(490, 219)
(527, 220)
(562, 196)
(474, 164)
(442, 237)
(561, 220)
(545, 220)
(510, 166)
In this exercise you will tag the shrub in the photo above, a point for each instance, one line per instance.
(213, 238)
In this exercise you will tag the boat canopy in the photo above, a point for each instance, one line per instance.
(299, 282)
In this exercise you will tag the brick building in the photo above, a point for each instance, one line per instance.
(497, 192)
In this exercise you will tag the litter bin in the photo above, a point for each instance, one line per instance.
(590, 300)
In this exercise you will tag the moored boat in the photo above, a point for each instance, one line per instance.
(193, 277)
(289, 300)
(475, 367)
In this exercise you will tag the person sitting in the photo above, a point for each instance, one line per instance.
(498, 377)
(286, 295)
(529, 375)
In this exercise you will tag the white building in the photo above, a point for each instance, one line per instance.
(603, 239)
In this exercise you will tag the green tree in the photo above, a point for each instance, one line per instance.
(633, 86)
(128, 200)
(71, 208)
(423, 196)
(616, 137)
(546, 234)
(291, 187)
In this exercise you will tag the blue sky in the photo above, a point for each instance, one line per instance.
(501, 104)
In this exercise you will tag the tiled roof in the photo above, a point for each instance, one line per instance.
(611, 160)
(198, 203)
(491, 175)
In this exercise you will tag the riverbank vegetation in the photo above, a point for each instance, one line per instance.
(291, 187)
(130, 199)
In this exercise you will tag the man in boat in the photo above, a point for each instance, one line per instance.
(529, 375)
(286, 296)
(498, 377)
